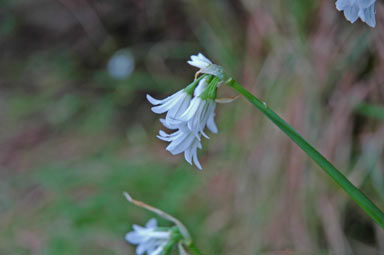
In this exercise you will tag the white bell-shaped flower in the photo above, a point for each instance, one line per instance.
(354, 9)
(188, 115)
(189, 118)
(148, 239)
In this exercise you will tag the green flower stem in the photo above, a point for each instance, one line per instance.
(369, 207)
(193, 249)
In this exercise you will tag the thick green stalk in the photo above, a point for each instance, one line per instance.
(369, 207)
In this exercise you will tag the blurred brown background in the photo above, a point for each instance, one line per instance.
(76, 130)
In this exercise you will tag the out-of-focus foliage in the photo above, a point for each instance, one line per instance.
(74, 136)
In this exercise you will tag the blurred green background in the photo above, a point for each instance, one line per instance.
(76, 130)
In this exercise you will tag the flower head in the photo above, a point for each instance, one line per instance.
(190, 110)
(149, 239)
(188, 117)
(353, 9)
(152, 240)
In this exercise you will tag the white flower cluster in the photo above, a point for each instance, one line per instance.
(354, 9)
(188, 112)
(149, 239)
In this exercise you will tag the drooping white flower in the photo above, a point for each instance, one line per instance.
(191, 124)
(353, 9)
(174, 106)
(189, 116)
(183, 140)
(148, 239)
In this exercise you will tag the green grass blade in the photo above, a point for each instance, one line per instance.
(371, 110)
(368, 206)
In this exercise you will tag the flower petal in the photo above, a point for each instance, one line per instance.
(365, 3)
(211, 125)
(203, 84)
(368, 15)
(191, 110)
(158, 251)
(141, 248)
(204, 58)
(181, 143)
(155, 101)
(133, 237)
(188, 155)
(196, 160)
(351, 13)
(152, 223)
(342, 4)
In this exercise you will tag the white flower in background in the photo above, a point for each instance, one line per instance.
(148, 239)
(353, 9)
(152, 240)
(121, 64)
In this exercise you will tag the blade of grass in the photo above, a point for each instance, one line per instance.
(368, 206)
(371, 110)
